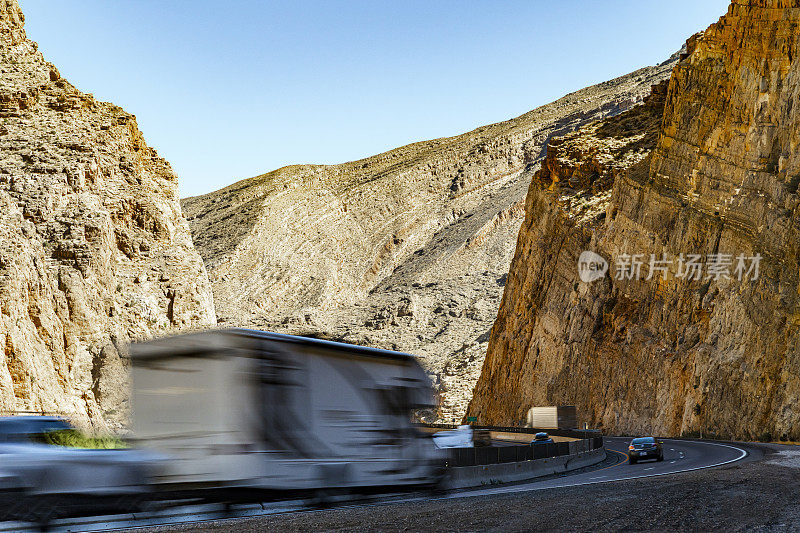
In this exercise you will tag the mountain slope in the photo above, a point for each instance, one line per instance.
(94, 250)
(718, 352)
(406, 250)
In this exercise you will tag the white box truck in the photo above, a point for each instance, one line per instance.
(553, 417)
(246, 409)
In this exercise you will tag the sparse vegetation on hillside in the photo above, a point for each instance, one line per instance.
(73, 438)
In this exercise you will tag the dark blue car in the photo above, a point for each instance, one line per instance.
(541, 438)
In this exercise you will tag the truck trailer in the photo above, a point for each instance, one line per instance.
(254, 412)
(553, 417)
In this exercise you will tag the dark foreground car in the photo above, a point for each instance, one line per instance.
(40, 481)
(645, 448)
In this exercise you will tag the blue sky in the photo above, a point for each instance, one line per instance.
(230, 90)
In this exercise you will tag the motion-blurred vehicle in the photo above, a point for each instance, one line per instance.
(645, 448)
(29, 428)
(460, 437)
(252, 415)
(542, 438)
(38, 480)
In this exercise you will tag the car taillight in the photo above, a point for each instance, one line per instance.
(631, 447)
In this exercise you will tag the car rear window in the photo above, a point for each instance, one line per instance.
(643, 440)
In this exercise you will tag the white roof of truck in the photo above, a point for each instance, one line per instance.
(192, 344)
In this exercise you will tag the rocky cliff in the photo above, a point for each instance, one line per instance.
(405, 250)
(94, 251)
(710, 341)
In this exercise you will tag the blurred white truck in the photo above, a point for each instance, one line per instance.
(461, 437)
(252, 410)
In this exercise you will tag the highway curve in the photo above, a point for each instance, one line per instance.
(741, 493)
(680, 456)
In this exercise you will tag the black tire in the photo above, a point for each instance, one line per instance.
(440, 486)
(44, 520)
(43, 511)
(632, 461)
(326, 498)
(227, 510)
(133, 504)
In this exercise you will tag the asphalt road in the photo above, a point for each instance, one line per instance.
(755, 493)
(417, 513)
(679, 456)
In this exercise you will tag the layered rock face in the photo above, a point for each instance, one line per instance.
(676, 353)
(94, 250)
(407, 250)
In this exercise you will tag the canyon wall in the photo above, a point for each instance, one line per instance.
(94, 250)
(682, 352)
(406, 250)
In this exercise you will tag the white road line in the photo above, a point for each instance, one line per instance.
(742, 455)
(672, 462)
(652, 467)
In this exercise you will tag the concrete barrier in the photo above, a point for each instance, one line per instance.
(475, 476)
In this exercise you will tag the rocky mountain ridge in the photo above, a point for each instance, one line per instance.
(94, 250)
(672, 353)
(406, 250)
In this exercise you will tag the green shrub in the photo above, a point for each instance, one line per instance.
(72, 438)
